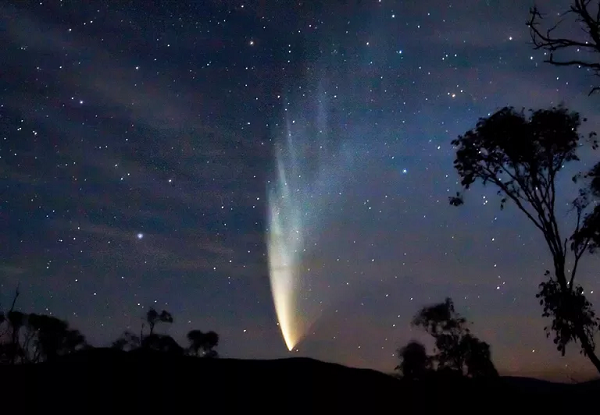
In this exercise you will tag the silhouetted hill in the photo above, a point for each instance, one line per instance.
(110, 381)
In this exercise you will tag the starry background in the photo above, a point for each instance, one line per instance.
(136, 146)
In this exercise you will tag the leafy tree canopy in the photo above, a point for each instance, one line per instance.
(457, 349)
(521, 156)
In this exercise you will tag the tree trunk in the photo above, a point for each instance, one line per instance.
(589, 350)
(580, 333)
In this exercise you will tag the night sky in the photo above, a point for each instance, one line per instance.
(138, 143)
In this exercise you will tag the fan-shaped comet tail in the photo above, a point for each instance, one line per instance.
(309, 166)
(284, 243)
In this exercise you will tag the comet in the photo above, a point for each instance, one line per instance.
(284, 244)
(285, 240)
(309, 163)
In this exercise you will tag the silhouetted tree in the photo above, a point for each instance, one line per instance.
(211, 341)
(53, 337)
(161, 343)
(16, 320)
(589, 232)
(478, 357)
(36, 338)
(196, 339)
(203, 344)
(153, 317)
(10, 349)
(414, 362)
(458, 350)
(127, 342)
(522, 157)
(581, 51)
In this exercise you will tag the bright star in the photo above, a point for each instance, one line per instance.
(140, 235)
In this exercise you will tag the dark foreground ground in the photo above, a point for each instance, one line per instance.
(107, 381)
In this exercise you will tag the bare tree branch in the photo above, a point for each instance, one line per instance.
(17, 293)
(545, 39)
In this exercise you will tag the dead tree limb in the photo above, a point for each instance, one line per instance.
(581, 15)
